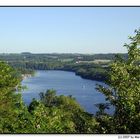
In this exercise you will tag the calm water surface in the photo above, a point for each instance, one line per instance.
(65, 83)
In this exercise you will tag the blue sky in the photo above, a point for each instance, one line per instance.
(67, 29)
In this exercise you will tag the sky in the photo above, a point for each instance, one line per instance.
(67, 29)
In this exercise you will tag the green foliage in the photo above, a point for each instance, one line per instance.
(8, 82)
(11, 105)
(60, 114)
(49, 98)
(8, 78)
(124, 89)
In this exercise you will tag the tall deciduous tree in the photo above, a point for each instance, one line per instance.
(123, 91)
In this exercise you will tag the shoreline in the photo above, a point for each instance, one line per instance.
(25, 76)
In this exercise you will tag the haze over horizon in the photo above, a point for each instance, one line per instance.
(60, 53)
(86, 30)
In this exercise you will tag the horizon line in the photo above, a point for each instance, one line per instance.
(62, 53)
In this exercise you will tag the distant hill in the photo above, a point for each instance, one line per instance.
(26, 53)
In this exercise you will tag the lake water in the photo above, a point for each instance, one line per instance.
(65, 83)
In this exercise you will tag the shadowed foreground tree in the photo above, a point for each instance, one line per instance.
(123, 92)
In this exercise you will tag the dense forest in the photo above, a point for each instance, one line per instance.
(62, 114)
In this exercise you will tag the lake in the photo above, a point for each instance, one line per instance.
(65, 83)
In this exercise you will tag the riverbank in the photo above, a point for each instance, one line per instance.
(28, 74)
(25, 76)
(95, 76)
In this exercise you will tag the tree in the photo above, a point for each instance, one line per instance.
(60, 114)
(8, 83)
(123, 90)
(14, 115)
